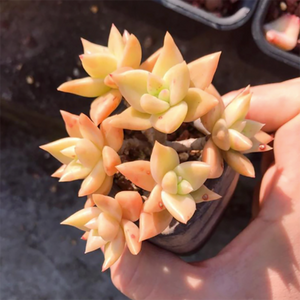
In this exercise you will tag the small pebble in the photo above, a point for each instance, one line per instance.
(73, 242)
(19, 67)
(94, 9)
(53, 189)
(148, 42)
(29, 80)
(76, 72)
(283, 6)
(183, 156)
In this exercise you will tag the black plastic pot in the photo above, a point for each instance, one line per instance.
(187, 239)
(259, 37)
(242, 15)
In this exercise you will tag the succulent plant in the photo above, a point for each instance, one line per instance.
(232, 135)
(100, 62)
(169, 95)
(110, 225)
(162, 93)
(283, 32)
(175, 187)
(89, 153)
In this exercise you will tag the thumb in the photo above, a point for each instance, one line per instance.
(156, 274)
(280, 185)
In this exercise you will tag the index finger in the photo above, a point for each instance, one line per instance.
(272, 104)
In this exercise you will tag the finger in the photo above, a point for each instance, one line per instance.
(152, 274)
(273, 104)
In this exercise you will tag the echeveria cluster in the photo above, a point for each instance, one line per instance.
(161, 94)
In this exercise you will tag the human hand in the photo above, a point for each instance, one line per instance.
(263, 262)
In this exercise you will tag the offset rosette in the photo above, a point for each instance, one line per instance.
(168, 95)
(89, 153)
(110, 225)
(283, 32)
(175, 188)
(232, 135)
(123, 53)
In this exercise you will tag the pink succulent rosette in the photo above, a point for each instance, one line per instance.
(123, 53)
(172, 93)
(232, 136)
(89, 153)
(175, 188)
(110, 224)
(283, 32)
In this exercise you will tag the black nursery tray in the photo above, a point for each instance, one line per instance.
(289, 58)
(244, 11)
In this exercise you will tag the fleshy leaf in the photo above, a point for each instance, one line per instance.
(113, 250)
(98, 65)
(55, 148)
(181, 207)
(220, 135)
(139, 173)
(58, 173)
(184, 187)
(110, 159)
(106, 186)
(204, 194)
(203, 70)
(94, 242)
(163, 159)
(153, 224)
(195, 172)
(237, 109)
(170, 121)
(154, 202)
(90, 131)
(81, 217)
(103, 106)
(69, 152)
(251, 128)
(90, 48)
(86, 87)
(71, 123)
(113, 136)
(92, 224)
(108, 227)
(212, 156)
(258, 146)
(239, 126)
(93, 181)
(131, 119)
(87, 153)
(108, 205)
(263, 137)
(178, 80)
(169, 182)
(154, 84)
(132, 85)
(169, 57)
(210, 118)
(132, 236)
(149, 63)
(131, 203)
(152, 105)
(239, 163)
(74, 171)
(132, 54)
(199, 103)
(115, 42)
(238, 141)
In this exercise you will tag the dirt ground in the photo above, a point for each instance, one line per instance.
(39, 50)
